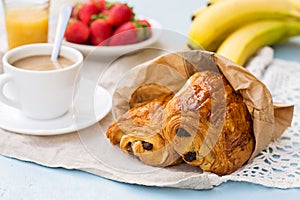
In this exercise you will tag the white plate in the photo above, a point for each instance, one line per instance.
(111, 51)
(91, 104)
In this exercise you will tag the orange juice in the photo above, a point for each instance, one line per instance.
(24, 26)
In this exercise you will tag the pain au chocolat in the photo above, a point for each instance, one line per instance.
(209, 125)
(138, 132)
(206, 123)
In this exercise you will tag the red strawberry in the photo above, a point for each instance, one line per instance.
(100, 32)
(105, 13)
(147, 27)
(77, 32)
(75, 8)
(128, 33)
(100, 4)
(87, 10)
(144, 22)
(102, 15)
(119, 14)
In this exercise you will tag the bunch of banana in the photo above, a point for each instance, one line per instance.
(236, 29)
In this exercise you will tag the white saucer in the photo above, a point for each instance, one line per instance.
(91, 104)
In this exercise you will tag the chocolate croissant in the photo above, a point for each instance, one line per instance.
(209, 125)
(138, 132)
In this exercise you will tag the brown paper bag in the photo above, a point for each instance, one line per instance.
(172, 70)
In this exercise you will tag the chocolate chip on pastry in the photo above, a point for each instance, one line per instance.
(138, 132)
(209, 125)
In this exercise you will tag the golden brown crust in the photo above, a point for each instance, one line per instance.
(138, 132)
(209, 125)
(147, 93)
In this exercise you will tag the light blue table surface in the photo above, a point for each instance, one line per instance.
(23, 180)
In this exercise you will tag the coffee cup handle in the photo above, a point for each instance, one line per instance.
(4, 79)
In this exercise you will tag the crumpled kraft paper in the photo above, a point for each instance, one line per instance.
(172, 70)
(70, 152)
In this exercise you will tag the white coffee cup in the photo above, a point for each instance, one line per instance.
(40, 94)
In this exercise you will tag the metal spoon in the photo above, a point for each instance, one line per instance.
(63, 19)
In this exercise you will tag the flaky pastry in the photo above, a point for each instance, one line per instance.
(138, 132)
(209, 125)
(205, 124)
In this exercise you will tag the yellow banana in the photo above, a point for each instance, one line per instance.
(296, 3)
(222, 18)
(213, 1)
(244, 42)
(200, 10)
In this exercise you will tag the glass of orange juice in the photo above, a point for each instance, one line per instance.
(26, 21)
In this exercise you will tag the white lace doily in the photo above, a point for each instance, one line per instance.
(279, 164)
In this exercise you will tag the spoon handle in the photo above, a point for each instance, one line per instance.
(63, 19)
